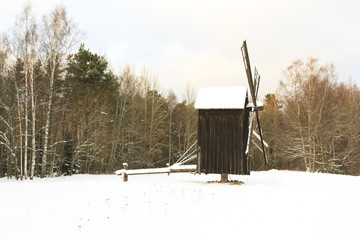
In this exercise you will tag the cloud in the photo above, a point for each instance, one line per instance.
(199, 41)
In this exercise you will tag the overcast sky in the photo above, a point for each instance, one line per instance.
(199, 41)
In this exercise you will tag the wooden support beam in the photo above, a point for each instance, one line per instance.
(224, 178)
(172, 169)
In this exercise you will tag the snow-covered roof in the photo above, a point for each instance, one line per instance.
(221, 98)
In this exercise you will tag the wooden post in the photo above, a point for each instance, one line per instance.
(124, 175)
(168, 165)
(224, 178)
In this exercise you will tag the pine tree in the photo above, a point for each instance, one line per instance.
(92, 89)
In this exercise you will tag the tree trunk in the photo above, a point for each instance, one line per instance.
(20, 136)
(48, 119)
(26, 117)
(33, 120)
(170, 135)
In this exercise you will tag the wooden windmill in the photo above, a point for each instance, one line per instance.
(225, 128)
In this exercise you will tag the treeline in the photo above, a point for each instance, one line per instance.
(64, 112)
(313, 122)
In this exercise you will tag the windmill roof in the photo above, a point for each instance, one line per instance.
(221, 98)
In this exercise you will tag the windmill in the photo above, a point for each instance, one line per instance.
(254, 88)
(225, 129)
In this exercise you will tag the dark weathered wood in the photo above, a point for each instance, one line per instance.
(222, 136)
(124, 174)
(224, 178)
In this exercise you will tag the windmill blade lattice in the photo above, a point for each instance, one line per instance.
(254, 88)
(256, 82)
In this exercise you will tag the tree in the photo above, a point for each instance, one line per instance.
(92, 89)
(154, 121)
(185, 124)
(125, 134)
(171, 102)
(7, 148)
(59, 35)
(304, 98)
(345, 137)
(22, 45)
(190, 118)
(269, 118)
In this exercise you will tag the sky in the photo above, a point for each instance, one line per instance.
(198, 42)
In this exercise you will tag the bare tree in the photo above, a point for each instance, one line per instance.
(154, 120)
(59, 35)
(7, 148)
(345, 137)
(171, 101)
(33, 114)
(23, 48)
(303, 97)
(122, 124)
(190, 117)
(92, 131)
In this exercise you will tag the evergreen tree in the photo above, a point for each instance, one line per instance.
(89, 68)
(92, 90)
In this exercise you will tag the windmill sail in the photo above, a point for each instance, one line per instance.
(254, 87)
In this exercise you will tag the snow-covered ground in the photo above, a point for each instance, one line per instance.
(270, 205)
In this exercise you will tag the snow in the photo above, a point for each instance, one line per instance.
(259, 105)
(173, 168)
(270, 205)
(221, 98)
(183, 167)
(143, 171)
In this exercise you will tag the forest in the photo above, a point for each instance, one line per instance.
(63, 111)
(312, 123)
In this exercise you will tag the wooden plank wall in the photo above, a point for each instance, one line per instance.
(222, 136)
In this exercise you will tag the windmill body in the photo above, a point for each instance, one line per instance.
(222, 130)
(225, 125)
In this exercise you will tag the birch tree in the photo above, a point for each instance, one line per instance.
(190, 117)
(154, 119)
(185, 124)
(304, 97)
(345, 137)
(59, 35)
(171, 101)
(7, 148)
(123, 134)
(22, 44)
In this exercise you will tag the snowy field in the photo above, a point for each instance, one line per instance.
(270, 205)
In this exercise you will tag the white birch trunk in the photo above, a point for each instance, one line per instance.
(26, 115)
(47, 125)
(33, 120)
(20, 134)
